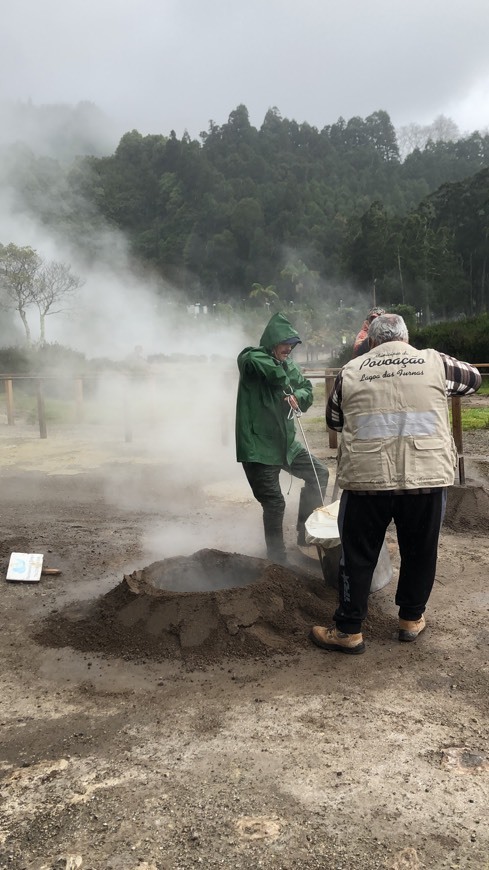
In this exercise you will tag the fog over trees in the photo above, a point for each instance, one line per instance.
(283, 214)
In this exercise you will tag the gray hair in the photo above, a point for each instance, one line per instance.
(374, 312)
(387, 327)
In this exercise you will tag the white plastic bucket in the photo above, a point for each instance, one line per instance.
(322, 530)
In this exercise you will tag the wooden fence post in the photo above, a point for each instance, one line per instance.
(41, 410)
(9, 395)
(127, 412)
(457, 435)
(79, 400)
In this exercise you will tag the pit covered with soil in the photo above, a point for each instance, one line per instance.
(203, 607)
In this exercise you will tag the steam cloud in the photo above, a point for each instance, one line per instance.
(181, 413)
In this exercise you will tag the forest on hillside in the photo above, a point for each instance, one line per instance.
(283, 214)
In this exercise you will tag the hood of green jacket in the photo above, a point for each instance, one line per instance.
(278, 329)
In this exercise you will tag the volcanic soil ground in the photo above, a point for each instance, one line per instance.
(235, 743)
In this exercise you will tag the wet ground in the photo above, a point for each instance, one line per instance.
(268, 756)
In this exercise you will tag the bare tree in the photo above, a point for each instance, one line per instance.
(409, 137)
(412, 136)
(27, 280)
(18, 270)
(443, 129)
(54, 286)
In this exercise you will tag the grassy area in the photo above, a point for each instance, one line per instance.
(105, 408)
(313, 422)
(484, 389)
(56, 410)
(62, 412)
(475, 418)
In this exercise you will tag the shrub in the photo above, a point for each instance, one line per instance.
(467, 340)
(408, 313)
(14, 360)
(49, 359)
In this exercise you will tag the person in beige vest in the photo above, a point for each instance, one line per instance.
(396, 459)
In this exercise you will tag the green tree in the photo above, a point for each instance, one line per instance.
(382, 135)
(215, 213)
(267, 296)
(370, 256)
(246, 217)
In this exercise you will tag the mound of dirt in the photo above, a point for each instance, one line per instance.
(467, 508)
(250, 607)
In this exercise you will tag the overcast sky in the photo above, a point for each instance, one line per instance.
(157, 65)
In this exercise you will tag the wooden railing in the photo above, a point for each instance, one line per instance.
(8, 382)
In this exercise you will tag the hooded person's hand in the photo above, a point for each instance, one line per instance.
(292, 401)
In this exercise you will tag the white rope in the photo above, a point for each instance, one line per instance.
(297, 413)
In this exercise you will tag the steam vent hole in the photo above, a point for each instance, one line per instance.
(204, 571)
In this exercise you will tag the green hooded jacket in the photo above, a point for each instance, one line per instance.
(263, 432)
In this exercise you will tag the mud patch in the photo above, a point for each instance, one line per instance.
(269, 610)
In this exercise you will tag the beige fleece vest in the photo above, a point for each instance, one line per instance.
(396, 432)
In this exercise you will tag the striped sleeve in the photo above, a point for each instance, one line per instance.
(462, 378)
(334, 413)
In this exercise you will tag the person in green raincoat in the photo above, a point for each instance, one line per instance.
(271, 387)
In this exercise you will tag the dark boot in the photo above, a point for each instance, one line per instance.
(274, 538)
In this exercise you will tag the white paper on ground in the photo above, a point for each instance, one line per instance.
(25, 567)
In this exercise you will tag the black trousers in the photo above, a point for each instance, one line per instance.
(362, 521)
(265, 485)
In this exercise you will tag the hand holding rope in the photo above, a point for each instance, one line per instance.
(295, 411)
